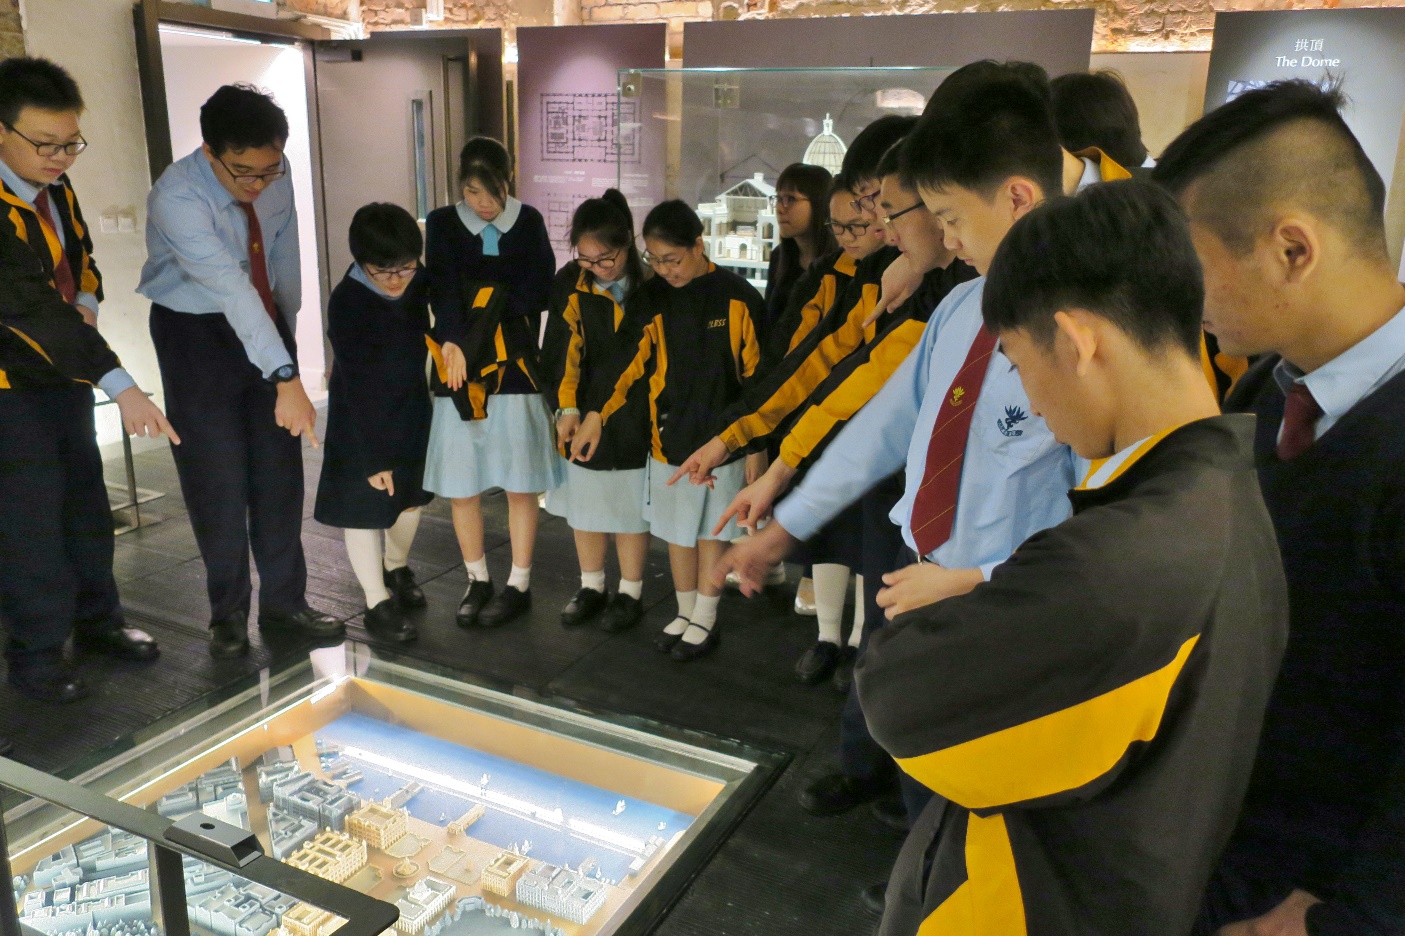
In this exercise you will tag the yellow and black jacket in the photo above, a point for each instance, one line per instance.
(44, 341)
(854, 381)
(496, 347)
(697, 347)
(813, 295)
(785, 386)
(585, 335)
(23, 221)
(1089, 716)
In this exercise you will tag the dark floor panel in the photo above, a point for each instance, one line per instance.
(131, 561)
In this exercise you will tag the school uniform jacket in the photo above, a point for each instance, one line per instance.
(585, 337)
(696, 346)
(813, 294)
(1088, 717)
(77, 246)
(784, 387)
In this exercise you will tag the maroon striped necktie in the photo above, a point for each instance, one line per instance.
(1300, 415)
(258, 262)
(63, 273)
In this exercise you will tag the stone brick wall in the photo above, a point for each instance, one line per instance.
(11, 29)
(458, 14)
(337, 9)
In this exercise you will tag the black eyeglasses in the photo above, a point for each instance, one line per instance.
(251, 178)
(785, 201)
(889, 219)
(853, 229)
(387, 275)
(51, 149)
(866, 202)
(603, 264)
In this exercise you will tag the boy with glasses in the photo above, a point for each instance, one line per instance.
(224, 275)
(56, 534)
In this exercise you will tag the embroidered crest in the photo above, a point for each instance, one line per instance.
(957, 395)
(1013, 416)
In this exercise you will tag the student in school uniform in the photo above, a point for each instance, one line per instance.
(56, 534)
(697, 347)
(1094, 110)
(585, 336)
(378, 414)
(1088, 716)
(490, 244)
(224, 276)
(801, 204)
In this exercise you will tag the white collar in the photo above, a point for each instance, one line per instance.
(511, 210)
(1092, 174)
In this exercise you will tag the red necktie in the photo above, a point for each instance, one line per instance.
(934, 509)
(1300, 415)
(63, 273)
(258, 262)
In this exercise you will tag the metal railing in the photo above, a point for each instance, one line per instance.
(216, 843)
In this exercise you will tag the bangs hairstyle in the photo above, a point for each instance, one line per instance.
(1270, 151)
(609, 220)
(485, 161)
(1096, 109)
(1120, 250)
(814, 182)
(864, 154)
(986, 123)
(35, 82)
(239, 117)
(384, 235)
(674, 223)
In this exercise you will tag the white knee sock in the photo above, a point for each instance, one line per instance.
(702, 620)
(831, 585)
(856, 635)
(687, 601)
(398, 539)
(595, 581)
(363, 548)
(478, 571)
(520, 578)
(632, 589)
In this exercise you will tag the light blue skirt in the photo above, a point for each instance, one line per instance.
(601, 501)
(513, 449)
(686, 513)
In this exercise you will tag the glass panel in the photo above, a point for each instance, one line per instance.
(420, 142)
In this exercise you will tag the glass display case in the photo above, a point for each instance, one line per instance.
(719, 137)
(474, 811)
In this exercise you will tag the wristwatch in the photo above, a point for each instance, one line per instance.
(283, 374)
(567, 411)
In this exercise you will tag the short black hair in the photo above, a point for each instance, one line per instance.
(384, 235)
(1280, 146)
(1120, 250)
(35, 82)
(1096, 109)
(240, 117)
(484, 160)
(674, 223)
(892, 162)
(864, 154)
(987, 122)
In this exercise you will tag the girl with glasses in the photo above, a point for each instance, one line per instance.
(585, 332)
(378, 414)
(801, 203)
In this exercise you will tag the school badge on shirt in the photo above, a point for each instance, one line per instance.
(1013, 416)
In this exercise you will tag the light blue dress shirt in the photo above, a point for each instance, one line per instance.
(500, 225)
(114, 381)
(1351, 376)
(1014, 478)
(197, 246)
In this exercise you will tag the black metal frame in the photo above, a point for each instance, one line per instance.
(365, 916)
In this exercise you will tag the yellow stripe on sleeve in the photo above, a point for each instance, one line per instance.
(989, 902)
(571, 372)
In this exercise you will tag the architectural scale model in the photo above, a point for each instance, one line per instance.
(740, 230)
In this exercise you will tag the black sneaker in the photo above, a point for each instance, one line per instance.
(478, 595)
(384, 622)
(844, 669)
(403, 588)
(622, 613)
(508, 605)
(586, 605)
(817, 662)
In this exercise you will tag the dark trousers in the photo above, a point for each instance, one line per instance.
(56, 536)
(240, 474)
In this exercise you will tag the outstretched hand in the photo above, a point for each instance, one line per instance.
(455, 365)
(921, 584)
(143, 418)
(753, 558)
(900, 281)
(700, 464)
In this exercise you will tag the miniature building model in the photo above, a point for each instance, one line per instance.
(740, 229)
(826, 150)
(307, 920)
(331, 855)
(376, 825)
(460, 824)
(421, 904)
(501, 874)
(565, 893)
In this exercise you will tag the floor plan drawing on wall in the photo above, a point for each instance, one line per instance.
(585, 128)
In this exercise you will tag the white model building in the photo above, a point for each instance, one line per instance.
(740, 229)
(421, 904)
(826, 150)
(567, 894)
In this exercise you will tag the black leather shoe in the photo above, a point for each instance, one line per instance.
(838, 793)
(229, 638)
(403, 589)
(307, 621)
(666, 642)
(508, 605)
(49, 684)
(623, 613)
(874, 897)
(124, 643)
(844, 669)
(586, 605)
(817, 663)
(684, 651)
(890, 813)
(478, 595)
(384, 622)
(6, 747)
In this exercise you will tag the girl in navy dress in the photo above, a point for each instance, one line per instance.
(490, 267)
(378, 414)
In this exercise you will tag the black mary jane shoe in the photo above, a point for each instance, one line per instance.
(817, 663)
(385, 623)
(622, 613)
(403, 589)
(474, 600)
(123, 643)
(844, 669)
(508, 605)
(683, 651)
(665, 642)
(584, 607)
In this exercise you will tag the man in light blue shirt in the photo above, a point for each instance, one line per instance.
(224, 276)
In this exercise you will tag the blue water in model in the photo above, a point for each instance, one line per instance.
(556, 845)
